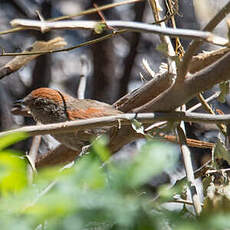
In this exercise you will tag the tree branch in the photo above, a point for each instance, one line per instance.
(85, 12)
(142, 95)
(195, 44)
(19, 62)
(205, 59)
(181, 92)
(121, 119)
(189, 170)
(132, 26)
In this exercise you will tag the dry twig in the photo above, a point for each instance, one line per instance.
(189, 170)
(85, 12)
(39, 46)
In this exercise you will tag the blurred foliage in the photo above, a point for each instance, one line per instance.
(12, 166)
(95, 193)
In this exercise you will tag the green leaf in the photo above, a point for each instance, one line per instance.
(13, 172)
(153, 158)
(12, 139)
(219, 221)
(99, 147)
(138, 127)
(100, 28)
(220, 151)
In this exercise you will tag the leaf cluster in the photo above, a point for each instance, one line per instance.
(95, 193)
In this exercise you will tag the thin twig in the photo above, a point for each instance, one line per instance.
(217, 171)
(33, 155)
(148, 68)
(90, 42)
(208, 108)
(182, 201)
(83, 77)
(81, 87)
(195, 107)
(93, 10)
(189, 170)
(85, 12)
(164, 39)
(191, 142)
(198, 173)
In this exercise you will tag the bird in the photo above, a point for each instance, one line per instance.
(48, 106)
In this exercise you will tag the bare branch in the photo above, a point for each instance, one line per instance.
(160, 124)
(140, 96)
(195, 107)
(181, 92)
(87, 43)
(189, 170)
(205, 59)
(85, 12)
(123, 119)
(132, 26)
(18, 62)
(33, 156)
(155, 5)
(181, 201)
(195, 44)
(209, 109)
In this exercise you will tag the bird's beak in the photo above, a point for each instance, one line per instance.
(19, 102)
(19, 108)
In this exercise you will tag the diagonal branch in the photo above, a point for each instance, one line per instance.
(189, 170)
(196, 44)
(140, 96)
(39, 46)
(182, 92)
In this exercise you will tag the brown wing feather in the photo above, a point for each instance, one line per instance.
(90, 112)
(84, 113)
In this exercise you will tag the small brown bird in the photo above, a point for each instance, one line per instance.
(52, 106)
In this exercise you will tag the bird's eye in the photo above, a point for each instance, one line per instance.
(37, 101)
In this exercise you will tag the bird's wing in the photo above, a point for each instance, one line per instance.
(91, 109)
